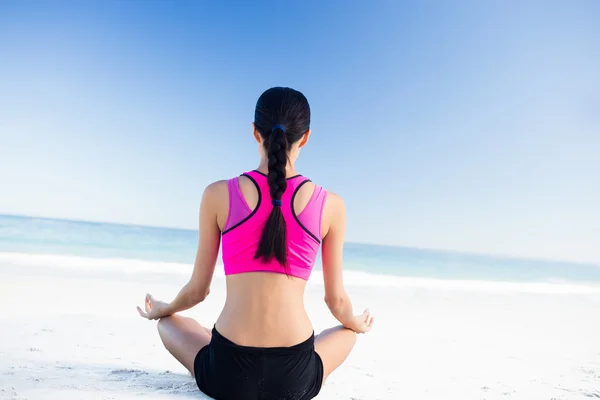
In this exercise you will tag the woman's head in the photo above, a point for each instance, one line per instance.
(287, 108)
(282, 126)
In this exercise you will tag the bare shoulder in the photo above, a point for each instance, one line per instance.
(334, 214)
(216, 187)
(334, 203)
(215, 192)
(215, 201)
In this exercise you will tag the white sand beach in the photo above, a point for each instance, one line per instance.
(69, 330)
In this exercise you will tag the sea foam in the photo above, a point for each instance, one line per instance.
(351, 277)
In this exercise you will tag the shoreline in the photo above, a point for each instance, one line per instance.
(131, 266)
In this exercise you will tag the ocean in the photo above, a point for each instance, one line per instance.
(20, 235)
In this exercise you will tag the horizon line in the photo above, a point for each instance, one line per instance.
(398, 246)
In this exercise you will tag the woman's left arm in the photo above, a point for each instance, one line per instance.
(198, 287)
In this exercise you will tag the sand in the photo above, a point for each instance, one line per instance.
(69, 330)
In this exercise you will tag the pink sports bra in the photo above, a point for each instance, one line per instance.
(244, 227)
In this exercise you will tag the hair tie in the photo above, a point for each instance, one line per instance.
(276, 203)
(278, 127)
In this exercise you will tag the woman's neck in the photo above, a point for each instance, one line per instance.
(263, 167)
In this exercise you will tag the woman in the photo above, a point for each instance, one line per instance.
(271, 221)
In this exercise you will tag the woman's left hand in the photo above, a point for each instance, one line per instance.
(155, 309)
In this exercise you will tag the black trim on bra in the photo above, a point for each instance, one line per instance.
(263, 174)
(253, 211)
(296, 217)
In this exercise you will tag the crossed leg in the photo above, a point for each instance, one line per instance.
(183, 337)
(333, 346)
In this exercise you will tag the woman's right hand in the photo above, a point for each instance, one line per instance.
(362, 323)
(155, 309)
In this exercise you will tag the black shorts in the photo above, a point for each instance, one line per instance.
(226, 371)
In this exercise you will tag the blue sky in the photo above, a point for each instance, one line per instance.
(462, 125)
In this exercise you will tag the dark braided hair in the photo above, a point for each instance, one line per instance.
(282, 117)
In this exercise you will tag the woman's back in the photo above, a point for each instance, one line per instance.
(264, 305)
(270, 222)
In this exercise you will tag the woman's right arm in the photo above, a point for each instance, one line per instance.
(336, 297)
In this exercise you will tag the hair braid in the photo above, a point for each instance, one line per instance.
(288, 107)
(277, 155)
(275, 245)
